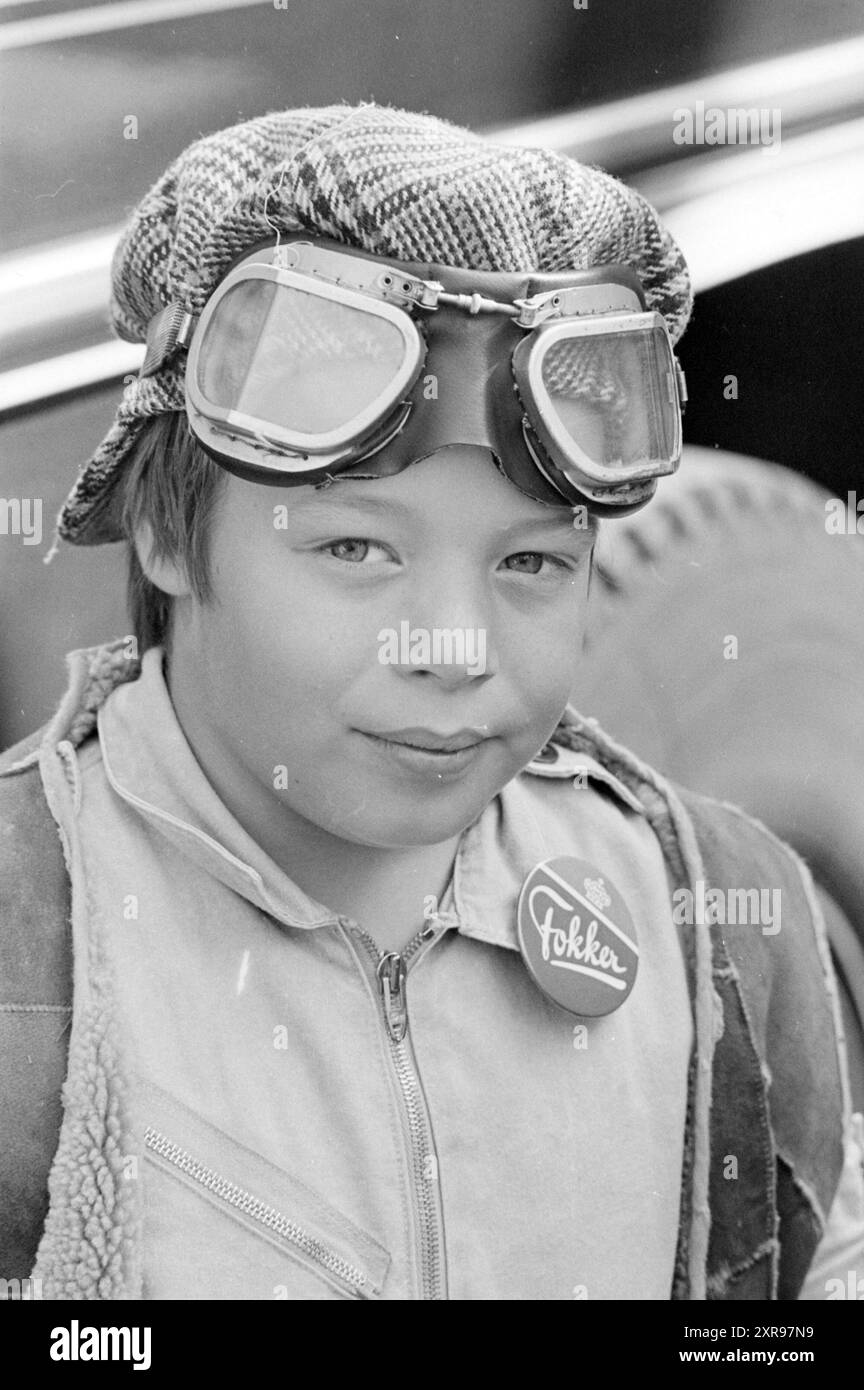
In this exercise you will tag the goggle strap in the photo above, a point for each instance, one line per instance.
(167, 332)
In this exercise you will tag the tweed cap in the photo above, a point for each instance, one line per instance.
(391, 182)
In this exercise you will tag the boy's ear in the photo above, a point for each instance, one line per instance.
(167, 574)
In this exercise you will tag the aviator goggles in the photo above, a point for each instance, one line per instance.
(310, 358)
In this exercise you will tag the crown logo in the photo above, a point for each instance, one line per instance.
(595, 892)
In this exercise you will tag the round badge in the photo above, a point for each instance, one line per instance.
(577, 937)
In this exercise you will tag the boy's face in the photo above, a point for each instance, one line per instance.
(320, 653)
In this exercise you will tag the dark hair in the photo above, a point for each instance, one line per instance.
(170, 482)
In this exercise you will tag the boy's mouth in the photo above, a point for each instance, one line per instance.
(427, 753)
(428, 741)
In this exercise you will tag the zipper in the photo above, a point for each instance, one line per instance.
(390, 973)
(390, 969)
(348, 1276)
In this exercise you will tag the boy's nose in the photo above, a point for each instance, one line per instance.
(451, 677)
(453, 657)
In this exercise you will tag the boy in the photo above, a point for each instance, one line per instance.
(376, 987)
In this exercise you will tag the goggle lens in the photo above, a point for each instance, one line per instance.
(303, 363)
(611, 398)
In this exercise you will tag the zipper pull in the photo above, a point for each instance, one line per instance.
(391, 980)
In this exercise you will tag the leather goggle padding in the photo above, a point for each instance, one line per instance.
(466, 395)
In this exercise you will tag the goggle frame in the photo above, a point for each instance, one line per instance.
(602, 301)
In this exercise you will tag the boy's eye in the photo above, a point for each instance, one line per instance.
(531, 561)
(353, 549)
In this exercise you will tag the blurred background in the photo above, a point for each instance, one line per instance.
(97, 99)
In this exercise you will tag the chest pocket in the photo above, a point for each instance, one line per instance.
(221, 1222)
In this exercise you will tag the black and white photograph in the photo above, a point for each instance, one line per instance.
(432, 667)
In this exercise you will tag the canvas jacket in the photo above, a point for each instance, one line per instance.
(763, 1032)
